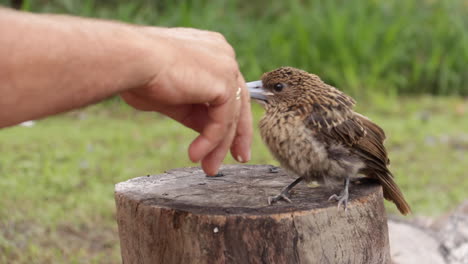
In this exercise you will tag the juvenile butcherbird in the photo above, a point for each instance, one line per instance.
(311, 129)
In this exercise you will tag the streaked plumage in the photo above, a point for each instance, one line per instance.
(311, 129)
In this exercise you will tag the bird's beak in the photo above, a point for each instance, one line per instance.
(257, 92)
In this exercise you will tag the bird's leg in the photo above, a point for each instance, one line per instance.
(284, 194)
(344, 195)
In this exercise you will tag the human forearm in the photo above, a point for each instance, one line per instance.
(51, 64)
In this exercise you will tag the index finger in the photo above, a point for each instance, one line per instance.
(221, 119)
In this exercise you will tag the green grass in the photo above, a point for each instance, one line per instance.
(57, 178)
(391, 47)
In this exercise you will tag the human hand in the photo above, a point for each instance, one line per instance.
(189, 75)
(196, 84)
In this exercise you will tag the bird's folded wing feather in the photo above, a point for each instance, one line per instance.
(344, 126)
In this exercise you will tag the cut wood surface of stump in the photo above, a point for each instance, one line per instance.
(183, 216)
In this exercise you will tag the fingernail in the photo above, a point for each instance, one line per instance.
(247, 159)
(239, 159)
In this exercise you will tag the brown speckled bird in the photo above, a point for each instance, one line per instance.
(311, 129)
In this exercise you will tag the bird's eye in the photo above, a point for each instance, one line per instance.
(278, 87)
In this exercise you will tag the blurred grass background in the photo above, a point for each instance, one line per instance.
(405, 62)
(390, 46)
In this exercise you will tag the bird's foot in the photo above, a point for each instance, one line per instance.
(284, 194)
(273, 169)
(342, 198)
(281, 196)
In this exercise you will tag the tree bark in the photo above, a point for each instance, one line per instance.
(182, 216)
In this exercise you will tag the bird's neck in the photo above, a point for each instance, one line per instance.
(297, 109)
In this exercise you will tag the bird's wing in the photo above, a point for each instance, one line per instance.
(364, 138)
(343, 126)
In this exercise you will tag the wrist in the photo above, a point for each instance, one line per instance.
(142, 56)
(119, 56)
(133, 58)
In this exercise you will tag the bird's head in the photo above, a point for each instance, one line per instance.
(288, 87)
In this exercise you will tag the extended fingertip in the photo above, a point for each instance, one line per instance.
(193, 155)
(244, 157)
(240, 149)
(198, 149)
(246, 148)
(209, 169)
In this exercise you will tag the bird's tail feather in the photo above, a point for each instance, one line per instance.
(392, 193)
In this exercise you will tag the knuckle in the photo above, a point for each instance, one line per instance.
(225, 46)
(230, 50)
(231, 67)
(218, 36)
(222, 94)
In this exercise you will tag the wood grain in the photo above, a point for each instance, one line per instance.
(182, 216)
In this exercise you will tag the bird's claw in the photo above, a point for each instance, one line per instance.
(284, 194)
(281, 196)
(273, 169)
(342, 199)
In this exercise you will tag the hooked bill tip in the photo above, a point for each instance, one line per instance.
(256, 90)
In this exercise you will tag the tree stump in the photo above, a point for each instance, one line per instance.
(183, 216)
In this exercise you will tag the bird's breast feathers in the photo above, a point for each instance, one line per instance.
(300, 150)
(293, 144)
